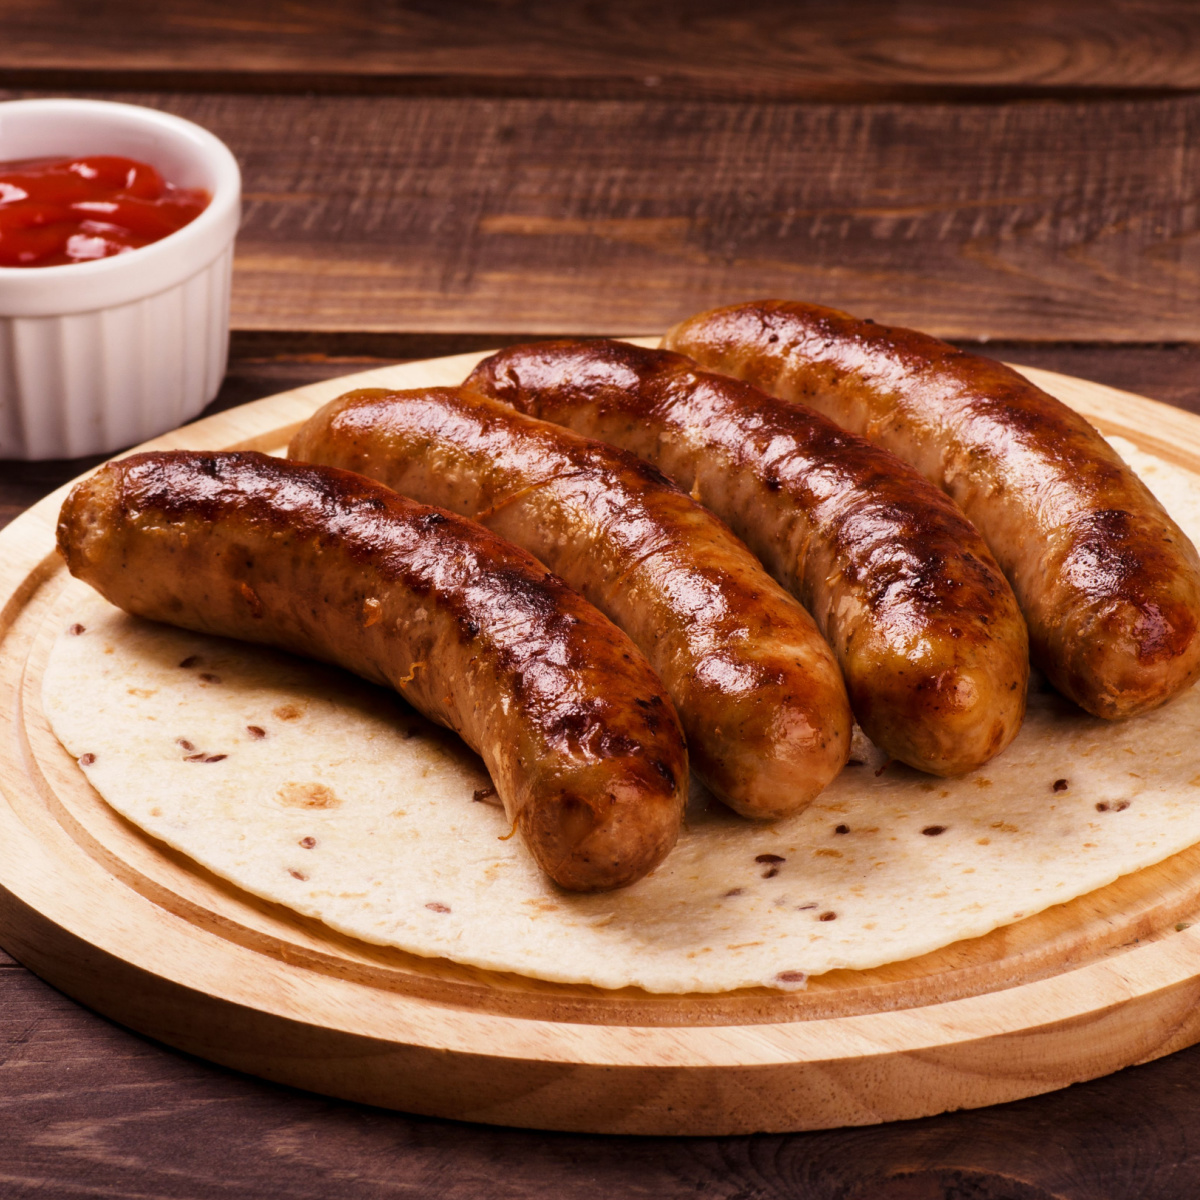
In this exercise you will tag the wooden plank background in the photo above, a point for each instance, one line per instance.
(1063, 207)
(755, 49)
(1071, 220)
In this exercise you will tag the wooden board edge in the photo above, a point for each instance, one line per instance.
(866, 1079)
(841, 1065)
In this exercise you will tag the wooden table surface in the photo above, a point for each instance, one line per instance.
(426, 177)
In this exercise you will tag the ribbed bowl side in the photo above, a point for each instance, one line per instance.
(94, 382)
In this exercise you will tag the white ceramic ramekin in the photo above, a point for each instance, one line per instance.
(101, 355)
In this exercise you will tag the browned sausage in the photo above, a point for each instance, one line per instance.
(758, 691)
(925, 627)
(1109, 584)
(579, 736)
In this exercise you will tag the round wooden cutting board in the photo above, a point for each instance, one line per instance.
(143, 935)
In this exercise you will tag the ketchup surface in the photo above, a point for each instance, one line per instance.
(68, 210)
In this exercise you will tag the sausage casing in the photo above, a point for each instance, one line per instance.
(927, 632)
(758, 691)
(582, 742)
(1109, 584)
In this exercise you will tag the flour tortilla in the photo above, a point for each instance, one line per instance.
(352, 809)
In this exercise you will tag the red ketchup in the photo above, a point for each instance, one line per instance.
(69, 210)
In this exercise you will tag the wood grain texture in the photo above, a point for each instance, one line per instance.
(762, 49)
(89, 1111)
(1023, 221)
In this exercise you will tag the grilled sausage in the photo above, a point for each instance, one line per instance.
(758, 691)
(1109, 584)
(925, 627)
(581, 740)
